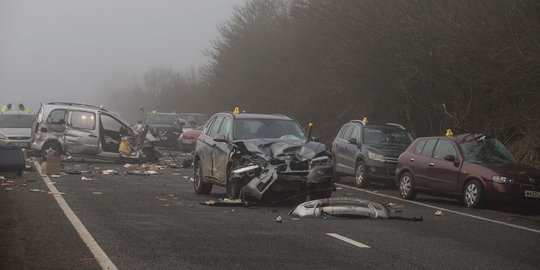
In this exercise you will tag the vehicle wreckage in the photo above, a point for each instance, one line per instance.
(347, 207)
(285, 169)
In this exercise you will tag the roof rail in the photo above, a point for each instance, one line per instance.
(77, 104)
(396, 125)
(359, 121)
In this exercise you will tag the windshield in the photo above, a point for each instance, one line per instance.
(245, 129)
(16, 121)
(161, 119)
(386, 136)
(486, 151)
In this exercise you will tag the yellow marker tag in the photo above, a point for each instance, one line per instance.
(449, 133)
(236, 110)
(310, 124)
(365, 120)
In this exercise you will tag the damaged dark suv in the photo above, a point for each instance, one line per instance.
(261, 157)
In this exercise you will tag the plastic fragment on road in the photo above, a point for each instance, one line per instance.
(8, 188)
(97, 192)
(279, 219)
(438, 213)
(346, 207)
(55, 176)
(86, 178)
(37, 190)
(56, 193)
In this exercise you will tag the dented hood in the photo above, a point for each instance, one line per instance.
(276, 148)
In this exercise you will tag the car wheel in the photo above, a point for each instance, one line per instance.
(51, 149)
(360, 178)
(147, 155)
(406, 186)
(200, 186)
(473, 194)
(233, 187)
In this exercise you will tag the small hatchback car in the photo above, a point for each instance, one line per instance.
(473, 167)
(261, 157)
(90, 131)
(369, 151)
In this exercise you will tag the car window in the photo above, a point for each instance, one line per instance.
(444, 148)
(348, 133)
(428, 149)
(83, 120)
(341, 133)
(109, 123)
(57, 117)
(16, 120)
(208, 125)
(215, 126)
(419, 146)
(356, 133)
(245, 129)
(225, 126)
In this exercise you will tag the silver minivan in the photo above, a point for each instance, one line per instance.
(89, 131)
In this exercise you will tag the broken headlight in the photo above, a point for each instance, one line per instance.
(322, 160)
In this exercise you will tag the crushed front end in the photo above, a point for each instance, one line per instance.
(279, 171)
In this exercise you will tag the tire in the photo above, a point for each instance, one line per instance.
(233, 188)
(473, 194)
(51, 149)
(200, 186)
(147, 155)
(360, 178)
(406, 186)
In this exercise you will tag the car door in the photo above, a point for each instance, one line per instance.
(81, 135)
(420, 163)
(343, 143)
(53, 128)
(222, 150)
(338, 148)
(351, 149)
(206, 150)
(443, 175)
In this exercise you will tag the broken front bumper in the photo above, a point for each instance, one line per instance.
(318, 178)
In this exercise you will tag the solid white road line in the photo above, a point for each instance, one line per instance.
(87, 238)
(444, 209)
(348, 240)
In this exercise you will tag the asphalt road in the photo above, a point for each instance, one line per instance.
(157, 222)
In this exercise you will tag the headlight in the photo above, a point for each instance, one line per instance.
(322, 160)
(375, 156)
(503, 179)
(3, 137)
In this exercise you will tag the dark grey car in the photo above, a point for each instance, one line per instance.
(369, 151)
(260, 156)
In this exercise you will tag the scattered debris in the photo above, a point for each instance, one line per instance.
(8, 188)
(224, 202)
(439, 213)
(56, 193)
(55, 176)
(37, 190)
(279, 220)
(110, 172)
(86, 179)
(97, 192)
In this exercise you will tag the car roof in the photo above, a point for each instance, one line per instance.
(259, 116)
(465, 137)
(201, 114)
(74, 105)
(390, 125)
(162, 113)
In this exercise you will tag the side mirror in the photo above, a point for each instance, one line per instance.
(450, 158)
(353, 141)
(220, 138)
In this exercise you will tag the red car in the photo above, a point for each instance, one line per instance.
(473, 167)
(188, 139)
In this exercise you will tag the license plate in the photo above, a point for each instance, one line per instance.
(532, 194)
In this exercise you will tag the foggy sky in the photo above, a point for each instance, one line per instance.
(61, 50)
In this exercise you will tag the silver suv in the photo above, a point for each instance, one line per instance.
(89, 131)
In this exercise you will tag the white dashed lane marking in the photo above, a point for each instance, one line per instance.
(348, 240)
